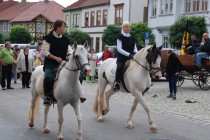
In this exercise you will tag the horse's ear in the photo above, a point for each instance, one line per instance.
(75, 45)
(154, 47)
(86, 44)
(160, 48)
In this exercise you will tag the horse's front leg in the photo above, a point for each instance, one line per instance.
(140, 99)
(46, 110)
(60, 119)
(129, 123)
(79, 119)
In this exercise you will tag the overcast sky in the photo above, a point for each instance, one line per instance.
(65, 3)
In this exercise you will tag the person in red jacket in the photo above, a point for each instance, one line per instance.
(107, 53)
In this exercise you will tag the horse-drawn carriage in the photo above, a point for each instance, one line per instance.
(189, 71)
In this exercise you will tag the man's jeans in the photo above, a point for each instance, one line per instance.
(198, 57)
(172, 84)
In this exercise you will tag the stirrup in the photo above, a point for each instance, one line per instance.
(47, 101)
(82, 99)
(116, 86)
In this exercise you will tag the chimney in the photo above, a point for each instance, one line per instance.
(23, 3)
(46, 1)
(1, 1)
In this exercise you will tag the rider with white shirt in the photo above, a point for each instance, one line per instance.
(126, 47)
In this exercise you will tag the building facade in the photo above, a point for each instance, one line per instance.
(94, 16)
(163, 13)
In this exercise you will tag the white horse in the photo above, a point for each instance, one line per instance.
(137, 80)
(67, 89)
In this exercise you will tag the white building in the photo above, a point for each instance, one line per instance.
(163, 13)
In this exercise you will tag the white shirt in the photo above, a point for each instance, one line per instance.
(119, 45)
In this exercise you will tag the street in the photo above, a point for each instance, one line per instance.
(176, 120)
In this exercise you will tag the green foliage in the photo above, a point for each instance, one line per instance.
(138, 31)
(78, 36)
(19, 34)
(2, 39)
(111, 34)
(196, 26)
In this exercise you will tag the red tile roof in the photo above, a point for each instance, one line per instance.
(7, 4)
(51, 11)
(86, 3)
(14, 10)
(74, 5)
(95, 3)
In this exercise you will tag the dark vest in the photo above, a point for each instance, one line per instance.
(128, 44)
(58, 47)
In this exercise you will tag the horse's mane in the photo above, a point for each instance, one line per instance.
(138, 56)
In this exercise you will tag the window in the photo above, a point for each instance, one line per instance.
(119, 14)
(166, 7)
(97, 44)
(86, 19)
(154, 8)
(98, 20)
(40, 27)
(165, 42)
(105, 15)
(204, 5)
(9, 26)
(5, 26)
(187, 6)
(91, 42)
(92, 19)
(196, 4)
(192, 6)
(67, 21)
(76, 20)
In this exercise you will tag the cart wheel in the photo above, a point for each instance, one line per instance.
(180, 80)
(204, 81)
(195, 79)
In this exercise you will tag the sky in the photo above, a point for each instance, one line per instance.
(65, 3)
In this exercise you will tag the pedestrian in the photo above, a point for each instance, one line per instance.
(126, 47)
(1, 47)
(115, 52)
(6, 59)
(25, 63)
(55, 47)
(14, 66)
(107, 53)
(92, 61)
(38, 56)
(173, 68)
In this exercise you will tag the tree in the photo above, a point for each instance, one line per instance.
(2, 39)
(19, 34)
(78, 36)
(138, 31)
(111, 34)
(195, 25)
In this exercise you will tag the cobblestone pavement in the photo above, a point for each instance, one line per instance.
(157, 101)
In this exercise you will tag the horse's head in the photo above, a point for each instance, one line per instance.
(80, 55)
(154, 59)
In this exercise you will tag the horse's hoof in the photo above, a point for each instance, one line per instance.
(31, 124)
(104, 112)
(129, 126)
(79, 138)
(46, 130)
(100, 119)
(153, 129)
(60, 138)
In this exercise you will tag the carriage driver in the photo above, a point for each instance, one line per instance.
(205, 50)
(55, 50)
(126, 47)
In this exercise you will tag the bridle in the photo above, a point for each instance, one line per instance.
(151, 58)
(77, 63)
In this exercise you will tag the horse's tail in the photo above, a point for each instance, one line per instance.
(36, 109)
(95, 106)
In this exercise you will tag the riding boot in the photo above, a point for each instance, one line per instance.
(47, 91)
(116, 85)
